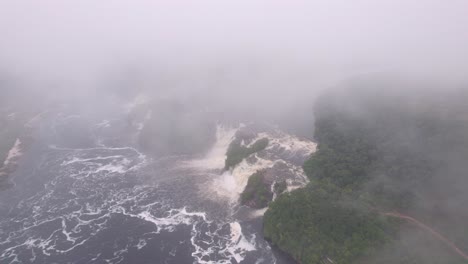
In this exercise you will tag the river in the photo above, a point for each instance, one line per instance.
(80, 197)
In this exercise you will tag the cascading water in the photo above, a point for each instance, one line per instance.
(109, 204)
(214, 160)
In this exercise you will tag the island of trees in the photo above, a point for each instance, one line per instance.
(385, 156)
(237, 152)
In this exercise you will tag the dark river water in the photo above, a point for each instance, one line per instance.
(79, 197)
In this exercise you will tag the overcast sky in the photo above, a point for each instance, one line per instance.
(63, 38)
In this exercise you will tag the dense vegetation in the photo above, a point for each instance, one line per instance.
(237, 152)
(280, 187)
(378, 152)
(314, 224)
(257, 193)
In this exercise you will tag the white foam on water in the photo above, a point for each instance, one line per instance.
(174, 218)
(226, 184)
(258, 213)
(239, 244)
(104, 124)
(290, 143)
(141, 244)
(235, 245)
(114, 168)
(80, 160)
(232, 183)
(113, 164)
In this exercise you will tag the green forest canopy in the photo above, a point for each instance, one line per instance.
(377, 152)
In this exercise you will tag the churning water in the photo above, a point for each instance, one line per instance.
(98, 202)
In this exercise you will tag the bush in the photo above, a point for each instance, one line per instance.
(257, 193)
(236, 153)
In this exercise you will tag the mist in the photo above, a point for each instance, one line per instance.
(321, 41)
(176, 76)
(270, 57)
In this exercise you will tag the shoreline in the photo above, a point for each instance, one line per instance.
(10, 164)
(22, 142)
(13, 153)
(12, 161)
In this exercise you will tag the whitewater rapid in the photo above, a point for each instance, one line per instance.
(227, 185)
(100, 203)
(230, 184)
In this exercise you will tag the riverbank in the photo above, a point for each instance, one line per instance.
(22, 137)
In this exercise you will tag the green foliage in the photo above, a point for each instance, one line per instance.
(236, 152)
(259, 145)
(280, 187)
(257, 193)
(312, 224)
(375, 154)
